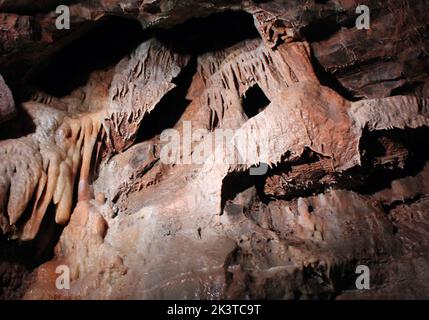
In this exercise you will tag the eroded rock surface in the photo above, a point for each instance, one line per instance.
(7, 104)
(339, 115)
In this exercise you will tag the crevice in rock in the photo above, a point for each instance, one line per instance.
(254, 101)
(412, 140)
(407, 88)
(311, 183)
(171, 107)
(234, 184)
(387, 155)
(18, 259)
(15, 267)
(388, 207)
(321, 29)
(196, 37)
(21, 125)
(329, 80)
(343, 277)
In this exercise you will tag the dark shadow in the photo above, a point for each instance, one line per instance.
(21, 125)
(18, 259)
(297, 189)
(254, 101)
(171, 107)
(321, 29)
(215, 32)
(327, 79)
(235, 183)
(31, 7)
(195, 37)
(104, 45)
(414, 140)
(407, 88)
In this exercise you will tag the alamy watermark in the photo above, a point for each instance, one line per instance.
(63, 20)
(62, 281)
(363, 280)
(222, 146)
(364, 19)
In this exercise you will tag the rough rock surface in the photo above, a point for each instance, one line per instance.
(339, 115)
(7, 104)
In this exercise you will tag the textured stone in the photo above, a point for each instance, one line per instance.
(7, 104)
(342, 125)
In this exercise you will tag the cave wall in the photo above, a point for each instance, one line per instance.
(339, 115)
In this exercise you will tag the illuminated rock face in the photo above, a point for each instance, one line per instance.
(339, 118)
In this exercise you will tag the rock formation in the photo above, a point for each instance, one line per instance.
(337, 115)
(7, 104)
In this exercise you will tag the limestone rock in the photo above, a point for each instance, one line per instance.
(131, 158)
(7, 104)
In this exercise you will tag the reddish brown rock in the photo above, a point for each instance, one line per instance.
(339, 116)
(7, 104)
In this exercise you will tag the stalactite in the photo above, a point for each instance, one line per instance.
(65, 196)
(289, 125)
(49, 177)
(66, 146)
(227, 75)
